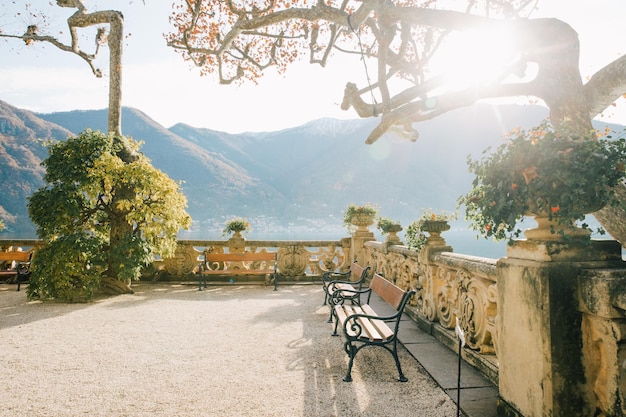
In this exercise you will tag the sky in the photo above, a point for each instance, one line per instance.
(158, 82)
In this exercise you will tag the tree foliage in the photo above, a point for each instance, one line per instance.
(98, 214)
(237, 40)
(398, 40)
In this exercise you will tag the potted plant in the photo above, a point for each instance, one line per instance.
(389, 228)
(430, 222)
(360, 216)
(236, 226)
(386, 225)
(556, 178)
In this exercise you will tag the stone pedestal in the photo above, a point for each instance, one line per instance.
(357, 251)
(541, 363)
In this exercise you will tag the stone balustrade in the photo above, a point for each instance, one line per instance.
(297, 259)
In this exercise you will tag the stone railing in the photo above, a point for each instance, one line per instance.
(448, 287)
(297, 259)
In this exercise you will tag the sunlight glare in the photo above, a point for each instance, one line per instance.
(477, 57)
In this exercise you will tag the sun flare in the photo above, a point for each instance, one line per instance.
(478, 57)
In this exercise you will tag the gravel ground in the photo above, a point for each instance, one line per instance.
(171, 350)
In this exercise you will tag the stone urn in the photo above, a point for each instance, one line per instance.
(362, 221)
(551, 228)
(392, 235)
(237, 240)
(435, 228)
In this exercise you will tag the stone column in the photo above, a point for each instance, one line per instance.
(357, 252)
(602, 297)
(539, 343)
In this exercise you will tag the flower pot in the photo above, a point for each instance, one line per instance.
(552, 230)
(435, 227)
(392, 235)
(237, 240)
(362, 220)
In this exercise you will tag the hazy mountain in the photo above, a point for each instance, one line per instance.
(309, 172)
(212, 182)
(21, 152)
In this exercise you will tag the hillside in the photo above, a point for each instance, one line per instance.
(21, 152)
(303, 175)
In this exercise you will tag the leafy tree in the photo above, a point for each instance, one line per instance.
(398, 40)
(99, 215)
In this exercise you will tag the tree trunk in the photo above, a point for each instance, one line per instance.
(115, 286)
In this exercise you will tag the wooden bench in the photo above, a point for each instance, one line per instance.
(247, 263)
(350, 280)
(18, 265)
(362, 326)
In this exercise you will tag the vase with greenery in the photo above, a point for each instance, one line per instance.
(429, 222)
(360, 216)
(386, 225)
(236, 226)
(389, 228)
(555, 177)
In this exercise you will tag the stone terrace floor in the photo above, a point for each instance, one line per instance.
(170, 349)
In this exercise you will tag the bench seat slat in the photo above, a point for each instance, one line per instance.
(372, 329)
(381, 326)
(340, 287)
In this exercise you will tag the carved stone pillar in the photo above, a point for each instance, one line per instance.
(603, 303)
(357, 250)
(539, 343)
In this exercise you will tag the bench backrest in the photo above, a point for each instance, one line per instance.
(389, 292)
(239, 257)
(358, 273)
(18, 256)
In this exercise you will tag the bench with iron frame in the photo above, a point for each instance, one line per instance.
(19, 265)
(246, 263)
(362, 326)
(351, 280)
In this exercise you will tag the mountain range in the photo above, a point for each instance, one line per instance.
(298, 177)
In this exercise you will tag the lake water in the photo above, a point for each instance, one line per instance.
(462, 241)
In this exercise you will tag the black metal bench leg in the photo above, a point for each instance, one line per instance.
(351, 351)
(335, 330)
(331, 314)
(19, 281)
(401, 376)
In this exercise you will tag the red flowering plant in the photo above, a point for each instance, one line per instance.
(544, 174)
